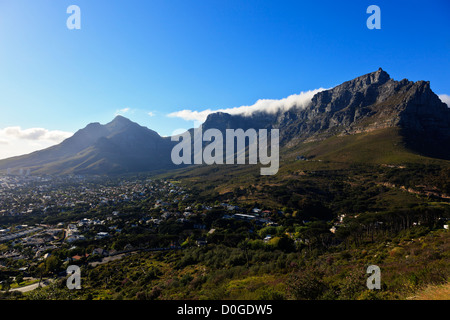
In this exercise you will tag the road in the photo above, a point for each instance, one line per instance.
(31, 286)
(109, 259)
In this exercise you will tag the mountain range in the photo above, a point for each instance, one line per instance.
(120, 146)
(373, 107)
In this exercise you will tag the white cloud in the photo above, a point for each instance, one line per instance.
(151, 114)
(445, 98)
(34, 134)
(300, 100)
(190, 115)
(122, 111)
(17, 141)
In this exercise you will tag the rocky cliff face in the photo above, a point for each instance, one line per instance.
(369, 102)
(372, 101)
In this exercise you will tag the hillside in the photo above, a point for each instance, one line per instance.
(120, 146)
(371, 118)
(378, 157)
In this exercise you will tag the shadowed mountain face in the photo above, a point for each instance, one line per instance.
(375, 101)
(118, 147)
(368, 103)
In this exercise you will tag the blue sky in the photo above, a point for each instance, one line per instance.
(148, 59)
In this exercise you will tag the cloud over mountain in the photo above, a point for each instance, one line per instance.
(301, 100)
(445, 98)
(122, 111)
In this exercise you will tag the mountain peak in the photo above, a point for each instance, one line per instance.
(382, 75)
(378, 77)
(119, 123)
(121, 119)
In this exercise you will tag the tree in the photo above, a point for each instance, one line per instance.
(312, 208)
(40, 271)
(6, 284)
(52, 264)
(286, 244)
(317, 233)
(19, 278)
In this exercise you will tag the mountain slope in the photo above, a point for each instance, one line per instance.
(117, 147)
(370, 102)
(374, 101)
(371, 118)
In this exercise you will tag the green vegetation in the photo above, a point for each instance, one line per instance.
(408, 265)
(309, 232)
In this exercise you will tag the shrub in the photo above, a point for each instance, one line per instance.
(307, 285)
(154, 293)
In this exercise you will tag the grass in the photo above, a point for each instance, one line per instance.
(375, 147)
(256, 287)
(433, 292)
(25, 283)
(369, 150)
